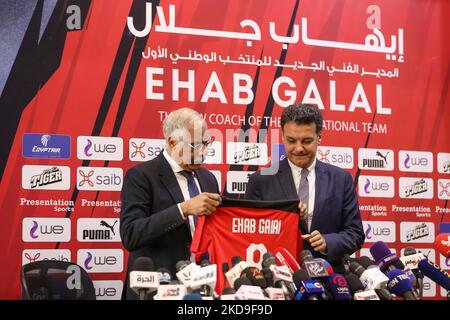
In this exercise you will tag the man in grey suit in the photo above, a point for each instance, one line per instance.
(332, 226)
(162, 198)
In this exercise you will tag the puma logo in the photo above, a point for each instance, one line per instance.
(384, 157)
(103, 223)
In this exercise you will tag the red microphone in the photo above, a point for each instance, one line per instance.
(284, 257)
(442, 244)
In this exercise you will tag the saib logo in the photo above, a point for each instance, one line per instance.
(45, 146)
(99, 179)
(444, 189)
(145, 149)
(338, 156)
(32, 255)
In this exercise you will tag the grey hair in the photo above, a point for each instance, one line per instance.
(177, 123)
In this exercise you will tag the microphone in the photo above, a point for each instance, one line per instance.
(225, 269)
(282, 278)
(315, 267)
(268, 276)
(369, 274)
(249, 292)
(383, 294)
(170, 292)
(357, 289)
(308, 289)
(346, 260)
(275, 294)
(228, 294)
(205, 279)
(400, 284)
(255, 276)
(164, 276)
(411, 259)
(435, 273)
(235, 272)
(240, 282)
(442, 244)
(184, 269)
(327, 265)
(384, 258)
(339, 289)
(284, 257)
(142, 279)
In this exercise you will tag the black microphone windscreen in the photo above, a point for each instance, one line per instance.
(306, 255)
(399, 265)
(225, 267)
(255, 276)
(267, 255)
(409, 251)
(143, 264)
(181, 264)
(228, 291)
(300, 275)
(356, 268)
(235, 260)
(241, 281)
(366, 262)
(205, 263)
(354, 283)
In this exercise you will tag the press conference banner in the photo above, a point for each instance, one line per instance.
(85, 86)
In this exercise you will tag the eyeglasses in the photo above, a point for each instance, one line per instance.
(201, 145)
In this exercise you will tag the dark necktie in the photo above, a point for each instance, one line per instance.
(303, 191)
(192, 187)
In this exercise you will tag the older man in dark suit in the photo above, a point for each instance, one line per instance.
(332, 226)
(162, 198)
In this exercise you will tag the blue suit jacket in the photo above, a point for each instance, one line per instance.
(151, 224)
(336, 211)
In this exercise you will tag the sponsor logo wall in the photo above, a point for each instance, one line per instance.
(68, 143)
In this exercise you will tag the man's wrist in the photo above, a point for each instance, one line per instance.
(183, 210)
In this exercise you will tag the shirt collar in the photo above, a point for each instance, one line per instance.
(173, 164)
(299, 169)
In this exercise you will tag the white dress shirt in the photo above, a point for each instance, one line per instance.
(183, 183)
(296, 174)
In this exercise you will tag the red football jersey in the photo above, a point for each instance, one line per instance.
(247, 229)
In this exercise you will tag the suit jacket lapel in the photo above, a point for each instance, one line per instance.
(201, 181)
(321, 191)
(287, 184)
(169, 180)
(286, 180)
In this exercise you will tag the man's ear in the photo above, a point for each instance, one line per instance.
(319, 140)
(171, 142)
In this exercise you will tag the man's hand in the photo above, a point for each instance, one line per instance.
(203, 204)
(316, 240)
(303, 210)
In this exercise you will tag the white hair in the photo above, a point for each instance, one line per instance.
(177, 123)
